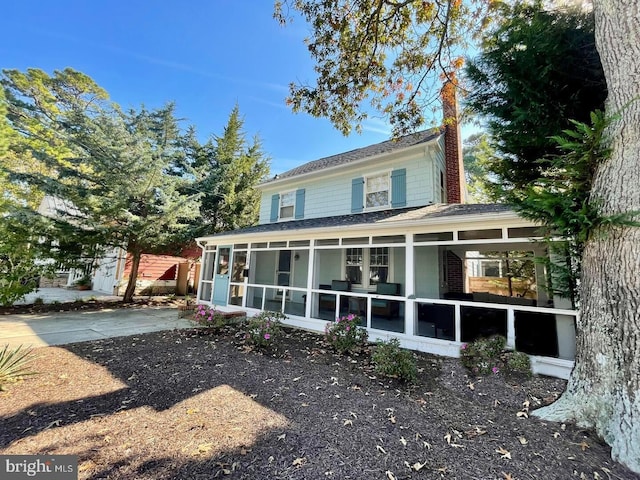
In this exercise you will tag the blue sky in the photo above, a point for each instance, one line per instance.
(205, 56)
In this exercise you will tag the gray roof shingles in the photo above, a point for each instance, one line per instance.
(360, 153)
(382, 216)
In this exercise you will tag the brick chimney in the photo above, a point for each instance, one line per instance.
(454, 172)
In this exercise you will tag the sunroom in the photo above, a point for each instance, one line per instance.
(434, 277)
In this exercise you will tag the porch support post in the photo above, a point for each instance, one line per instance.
(409, 285)
(246, 279)
(511, 328)
(311, 275)
(457, 322)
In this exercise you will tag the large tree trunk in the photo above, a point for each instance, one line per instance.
(133, 276)
(604, 389)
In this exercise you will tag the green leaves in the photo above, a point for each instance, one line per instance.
(381, 55)
(121, 176)
(228, 168)
(14, 364)
(537, 70)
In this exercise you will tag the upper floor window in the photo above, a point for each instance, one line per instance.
(377, 191)
(287, 205)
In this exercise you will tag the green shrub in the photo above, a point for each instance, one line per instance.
(488, 355)
(264, 329)
(518, 362)
(345, 334)
(209, 317)
(392, 361)
(14, 364)
(38, 301)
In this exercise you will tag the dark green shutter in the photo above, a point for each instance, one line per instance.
(275, 207)
(357, 195)
(299, 203)
(399, 188)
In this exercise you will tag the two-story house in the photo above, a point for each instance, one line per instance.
(379, 232)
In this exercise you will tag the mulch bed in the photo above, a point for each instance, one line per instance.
(191, 405)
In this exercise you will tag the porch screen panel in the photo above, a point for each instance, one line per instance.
(436, 321)
(206, 289)
(239, 264)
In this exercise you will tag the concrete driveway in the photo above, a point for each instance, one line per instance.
(45, 329)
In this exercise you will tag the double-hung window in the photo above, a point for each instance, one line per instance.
(287, 205)
(378, 265)
(367, 266)
(377, 189)
(354, 265)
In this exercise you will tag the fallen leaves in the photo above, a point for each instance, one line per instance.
(202, 449)
(524, 411)
(451, 443)
(418, 466)
(505, 454)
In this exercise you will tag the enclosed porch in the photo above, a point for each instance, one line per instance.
(433, 288)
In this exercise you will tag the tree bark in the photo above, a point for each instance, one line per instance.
(133, 276)
(604, 388)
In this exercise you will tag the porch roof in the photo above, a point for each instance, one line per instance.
(438, 213)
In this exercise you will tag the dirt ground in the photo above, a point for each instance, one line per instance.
(188, 405)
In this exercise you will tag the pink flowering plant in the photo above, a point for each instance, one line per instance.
(264, 329)
(209, 317)
(486, 356)
(346, 335)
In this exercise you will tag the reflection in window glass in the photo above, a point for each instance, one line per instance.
(377, 191)
(223, 261)
(239, 264)
(354, 265)
(378, 265)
